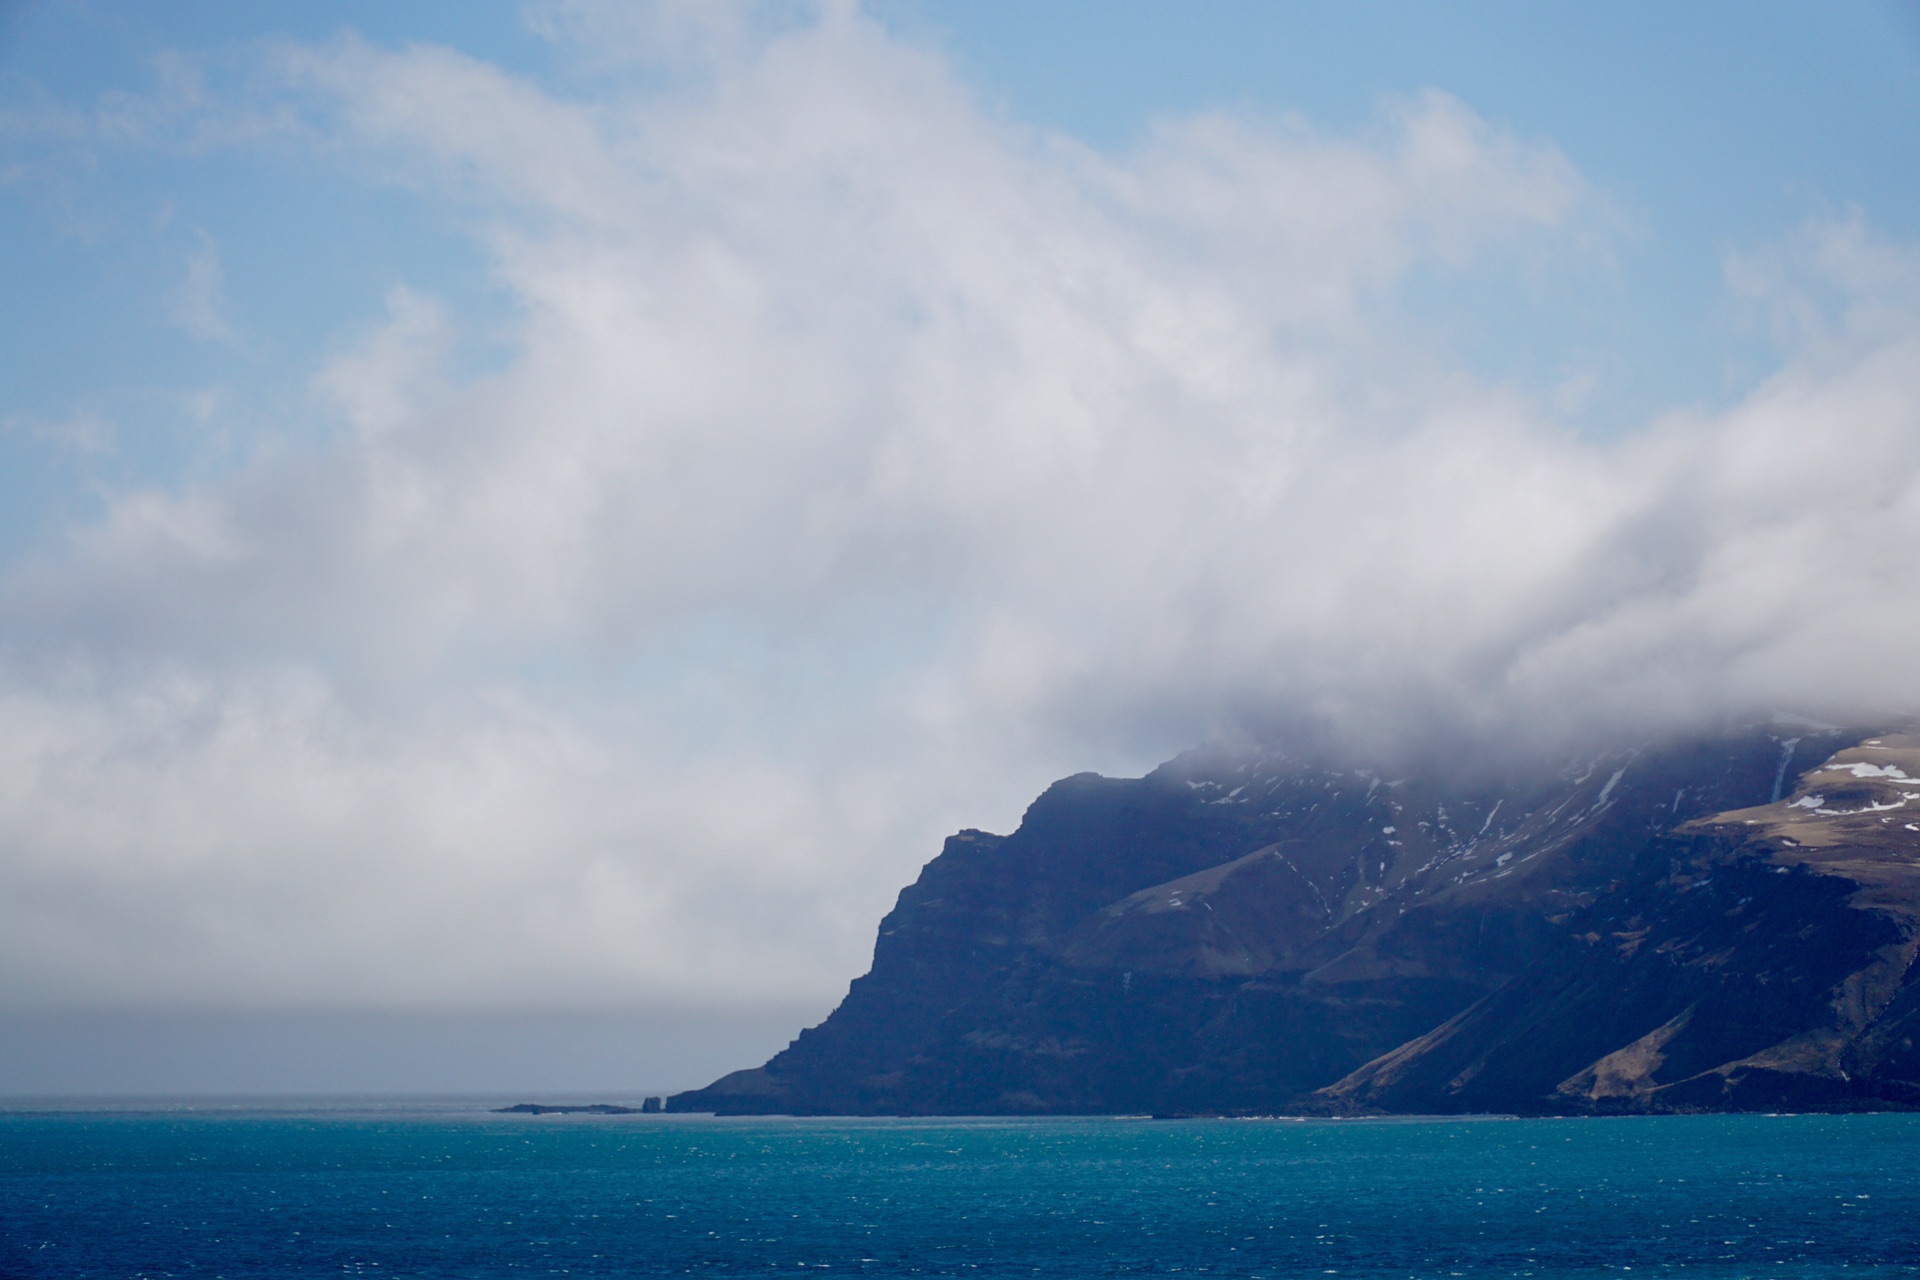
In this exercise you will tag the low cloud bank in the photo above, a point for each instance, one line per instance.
(861, 463)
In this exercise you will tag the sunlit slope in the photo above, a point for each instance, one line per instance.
(1759, 957)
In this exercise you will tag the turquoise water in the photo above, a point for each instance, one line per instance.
(444, 1191)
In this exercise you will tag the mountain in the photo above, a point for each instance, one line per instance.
(1726, 922)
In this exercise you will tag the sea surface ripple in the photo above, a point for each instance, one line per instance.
(447, 1189)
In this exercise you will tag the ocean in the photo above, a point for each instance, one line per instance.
(448, 1189)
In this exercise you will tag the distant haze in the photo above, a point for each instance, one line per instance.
(200, 1055)
(843, 460)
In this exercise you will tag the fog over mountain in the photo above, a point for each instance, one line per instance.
(857, 461)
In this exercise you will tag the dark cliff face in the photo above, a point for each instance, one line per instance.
(1726, 922)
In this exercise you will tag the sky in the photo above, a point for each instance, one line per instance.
(527, 524)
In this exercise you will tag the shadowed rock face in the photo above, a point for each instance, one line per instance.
(1722, 923)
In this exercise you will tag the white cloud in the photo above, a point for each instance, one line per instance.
(862, 463)
(84, 432)
(200, 305)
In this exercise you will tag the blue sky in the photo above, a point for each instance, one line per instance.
(498, 500)
(1709, 127)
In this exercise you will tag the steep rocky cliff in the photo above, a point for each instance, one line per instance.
(1727, 922)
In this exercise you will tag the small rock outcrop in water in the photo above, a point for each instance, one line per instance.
(1720, 924)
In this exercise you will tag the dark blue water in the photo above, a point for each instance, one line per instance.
(445, 1193)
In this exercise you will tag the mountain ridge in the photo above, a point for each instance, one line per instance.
(1727, 921)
